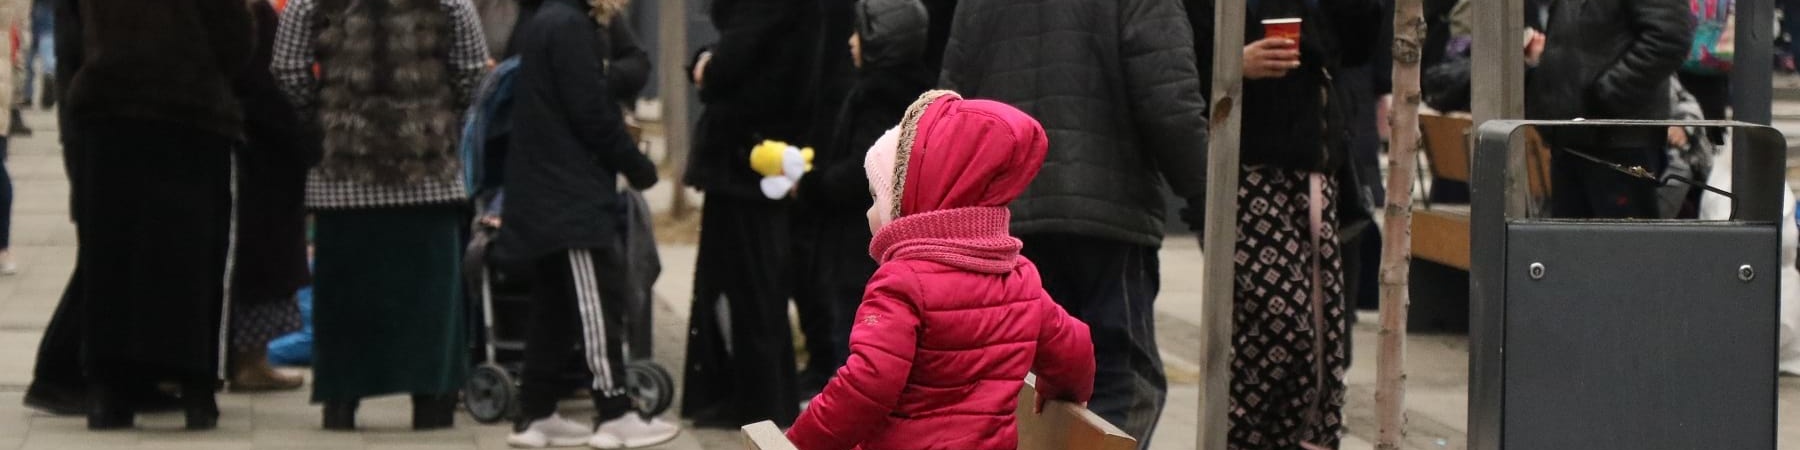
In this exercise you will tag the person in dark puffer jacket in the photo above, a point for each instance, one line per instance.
(564, 222)
(888, 47)
(1607, 59)
(1116, 85)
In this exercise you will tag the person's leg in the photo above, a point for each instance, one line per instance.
(1569, 199)
(602, 290)
(1112, 287)
(56, 385)
(555, 328)
(812, 302)
(7, 264)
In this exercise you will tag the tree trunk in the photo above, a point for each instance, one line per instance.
(672, 53)
(1390, 371)
(1220, 235)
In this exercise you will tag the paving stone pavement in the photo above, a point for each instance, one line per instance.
(44, 245)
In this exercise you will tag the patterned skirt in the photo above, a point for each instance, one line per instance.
(254, 325)
(1287, 384)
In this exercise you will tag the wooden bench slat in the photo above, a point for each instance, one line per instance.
(1441, 235)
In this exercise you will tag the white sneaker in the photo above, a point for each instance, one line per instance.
(631, 431)
(7, 265)
(553, 431)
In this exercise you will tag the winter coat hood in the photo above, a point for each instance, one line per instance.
(956, 153)
(956, 166)
(893, 32)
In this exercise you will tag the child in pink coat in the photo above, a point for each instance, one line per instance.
(955, 317)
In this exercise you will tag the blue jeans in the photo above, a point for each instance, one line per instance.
(1112, 287)
(41, 56)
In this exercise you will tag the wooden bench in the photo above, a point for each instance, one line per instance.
(1062, 426)
(1441, 231)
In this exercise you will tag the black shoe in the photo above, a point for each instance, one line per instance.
(108, 411)
(200, 405)
(434, 411)
(56, 400)
(19, 128)
(340, 416)
(49, 94)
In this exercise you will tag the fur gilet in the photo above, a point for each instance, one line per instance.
(386, 101)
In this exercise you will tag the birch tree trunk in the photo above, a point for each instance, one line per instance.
(1390, 372)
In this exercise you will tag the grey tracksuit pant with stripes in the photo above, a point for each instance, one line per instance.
(578, 302)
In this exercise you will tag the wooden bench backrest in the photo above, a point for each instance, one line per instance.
(1062, 426)
(765, 435)
(1446, 142)
(1065, 426)
(1447, 145)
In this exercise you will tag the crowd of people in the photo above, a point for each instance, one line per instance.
(987, 198)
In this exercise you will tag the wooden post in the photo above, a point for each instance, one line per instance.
(1498, 93)
(1390, 366)
(671, 62)
(1221, 225)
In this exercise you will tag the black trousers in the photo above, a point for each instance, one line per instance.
(832, 265)
(153, 230)
(740, 352)
(1112, 287)
(59, 353)
(1586, 190)
(577, 302)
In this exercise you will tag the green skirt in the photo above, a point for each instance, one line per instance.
(389, 315)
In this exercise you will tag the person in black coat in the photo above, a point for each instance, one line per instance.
(889, 46)
(1115, 84)
(152, 93)
(754, 83)
(1607, 59)
(563, 224)
(271, 261)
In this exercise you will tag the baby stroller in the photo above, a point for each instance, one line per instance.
(501, 300)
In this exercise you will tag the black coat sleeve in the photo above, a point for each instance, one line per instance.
(1664, 30)
(1163, 82)
(1358, 24)
(597, 122)
(629, 67)
(737, 55)
(843, 184)
(1381, 60)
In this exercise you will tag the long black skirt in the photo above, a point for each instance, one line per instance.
(153, 231)
(740, 353)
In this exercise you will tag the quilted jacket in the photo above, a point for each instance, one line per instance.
(1114, 83)
(1609, 59)
(955, 317)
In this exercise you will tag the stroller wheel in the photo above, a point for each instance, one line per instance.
(490, 394)
(652, 388)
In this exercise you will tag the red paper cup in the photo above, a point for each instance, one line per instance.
(1288, 28)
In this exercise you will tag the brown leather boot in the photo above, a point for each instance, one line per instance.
(250, 372)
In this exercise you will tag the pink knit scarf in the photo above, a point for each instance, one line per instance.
(975, 239)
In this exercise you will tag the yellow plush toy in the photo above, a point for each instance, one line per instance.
(781, 166)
